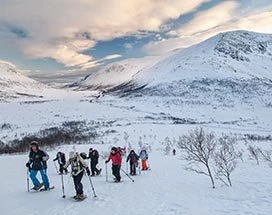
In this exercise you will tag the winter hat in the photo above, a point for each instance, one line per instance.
(34, 143)
(113, 149)
(91, 149)
(71, 154)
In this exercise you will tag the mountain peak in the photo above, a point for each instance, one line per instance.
(240, 44)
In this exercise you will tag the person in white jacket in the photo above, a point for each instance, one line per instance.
(78, 165)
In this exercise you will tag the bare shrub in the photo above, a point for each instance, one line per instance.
(226, 159)
(68, 133)
(167, 145)
(254, 153)
(104, 155)
(198, 148)
(266, 155)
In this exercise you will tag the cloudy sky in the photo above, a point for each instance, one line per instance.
(74, 37)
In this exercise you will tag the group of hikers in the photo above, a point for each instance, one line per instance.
(38, 163)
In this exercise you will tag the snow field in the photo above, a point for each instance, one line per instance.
(167, 189)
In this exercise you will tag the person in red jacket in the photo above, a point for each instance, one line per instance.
(116, 159)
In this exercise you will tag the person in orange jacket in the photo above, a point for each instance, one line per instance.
(144, 157)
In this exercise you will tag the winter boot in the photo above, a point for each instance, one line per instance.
(38, 187)
(81, 197)
(99, 171)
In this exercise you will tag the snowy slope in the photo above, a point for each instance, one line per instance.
(120, 74)
(237, 54)
(16, 85)
(165, 190)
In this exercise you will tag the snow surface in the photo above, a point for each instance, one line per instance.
(165, 190)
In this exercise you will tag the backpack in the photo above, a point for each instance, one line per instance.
(76, 166)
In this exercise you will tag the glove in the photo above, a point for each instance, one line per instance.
(28, 165)
(88, 172)
(106, 161)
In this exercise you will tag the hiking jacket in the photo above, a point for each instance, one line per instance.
(77, 163)
(94, 156)
(38, 160)
(115, 158)
(132, 157)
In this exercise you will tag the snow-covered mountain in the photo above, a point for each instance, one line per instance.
(237, 54)
(16, 85)
(13, 84)
(118, 75)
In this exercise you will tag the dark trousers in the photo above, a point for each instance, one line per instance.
(93, 168)
(116, 172)
(132, 168)
(61, 169)
(78, 184)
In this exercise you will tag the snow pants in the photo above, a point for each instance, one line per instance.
(34, 179)
(77, 182)
(93, 168)
(133, 168)
(116, 172)
(144, 165)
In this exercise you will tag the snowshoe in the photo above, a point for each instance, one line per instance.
(37, 188)
(80, 197)
(47, 189)
(99, 171)
(76, 196)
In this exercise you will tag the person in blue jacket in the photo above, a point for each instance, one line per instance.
(37, 163)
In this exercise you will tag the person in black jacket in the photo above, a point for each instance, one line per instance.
(61, 160)
(133, 161)
(37, 163)
(94, 156)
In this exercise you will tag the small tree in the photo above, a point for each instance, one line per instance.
(254, 153)
(167, 143)
(266, 156)
(198, 148)
(226, 159)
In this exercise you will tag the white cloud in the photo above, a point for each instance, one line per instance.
(113, 56)
(56, 27)
(216, 16)
(221, 18)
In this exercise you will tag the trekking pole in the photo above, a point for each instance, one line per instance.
(106, 172)
(92, 186)
(128, 175)
(139, 168)
(127, 166)
(27, 179)
(62, 186)
(56, 167)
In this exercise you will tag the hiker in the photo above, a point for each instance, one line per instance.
(60, 157)
(37, 163)
(174, 152)
(144, 157)
(116, 159)
(94, 156)
(133, 162)
(78, 165)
